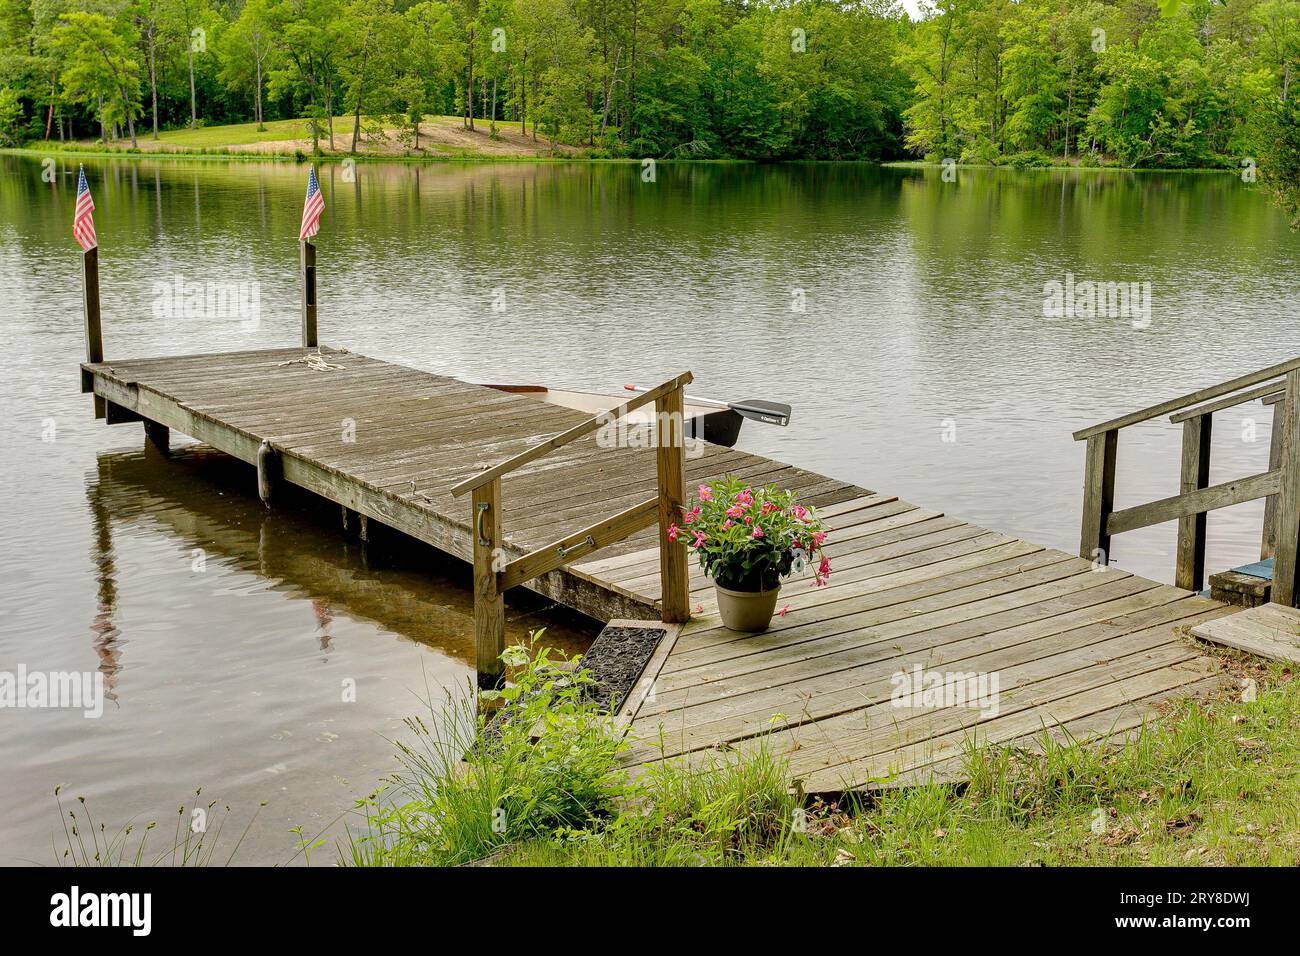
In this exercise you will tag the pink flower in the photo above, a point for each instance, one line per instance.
(735, 511)
(700, 538)
(699, 609)
(727, 524)
(818, 538)
(749, 519)
(770, 506)
(746, 498)
(799, 511)
(758, 532)
(823, 572)
(691, 515)
(784, 610)
(673, 532)
(705, 493)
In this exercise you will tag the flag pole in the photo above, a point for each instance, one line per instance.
(312, 208)
(94, 329)
(308, 293)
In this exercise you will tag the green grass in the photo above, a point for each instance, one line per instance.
(1210, 782)
(238, 134)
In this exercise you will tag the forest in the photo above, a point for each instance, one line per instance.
(1134, 83)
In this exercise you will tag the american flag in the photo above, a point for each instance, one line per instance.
(83, 223)
(312, 207)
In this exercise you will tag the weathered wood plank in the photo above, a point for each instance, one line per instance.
(591, 538)
(489, 607)
(1098, 496)
(1195, 476)
(1269, 630)
(1182, 505)
(1286, 516)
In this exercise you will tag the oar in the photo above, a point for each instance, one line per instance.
(771, 413)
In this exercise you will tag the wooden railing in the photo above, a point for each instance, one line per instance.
(1278, 385)
(493, 576)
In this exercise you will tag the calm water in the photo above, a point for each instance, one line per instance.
(920, 364)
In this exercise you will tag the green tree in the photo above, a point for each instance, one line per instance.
(306, 35)
(99, 69)
(245, 54)
(11, 114)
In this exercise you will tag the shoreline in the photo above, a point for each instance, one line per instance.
(299, 158)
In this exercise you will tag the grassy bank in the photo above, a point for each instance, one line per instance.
(1209, 783)
(441, 137)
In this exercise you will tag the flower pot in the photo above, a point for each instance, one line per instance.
(747, 611)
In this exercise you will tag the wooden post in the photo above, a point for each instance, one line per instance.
(1267, 542)
(94, 329)
(159, 436)
(308, 295)
(489, 607)
(670, 448)
(1098, 494)
(1286, 571)
(1190, 573)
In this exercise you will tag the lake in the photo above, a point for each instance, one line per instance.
(902, 315)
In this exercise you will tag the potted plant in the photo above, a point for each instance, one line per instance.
(748, 540)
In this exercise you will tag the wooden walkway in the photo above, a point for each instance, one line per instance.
(1075, 648)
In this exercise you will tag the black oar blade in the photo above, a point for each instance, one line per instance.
(771, 413)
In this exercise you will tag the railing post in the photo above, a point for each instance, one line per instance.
(94, 327)
(1286, 573)
(308, 295)
(1267, 543)
(1098, 495)
(670, 445)
(1190, 571)
(489, 607)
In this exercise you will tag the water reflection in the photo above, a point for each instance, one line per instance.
(203, 500)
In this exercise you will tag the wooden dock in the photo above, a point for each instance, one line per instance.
(1078, 647)
(389, 443)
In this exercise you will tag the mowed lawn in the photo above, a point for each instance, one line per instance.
(237, 134)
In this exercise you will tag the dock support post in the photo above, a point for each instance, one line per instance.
(308, 295)
(1190, 569)
(674, 576)
(94, 328)
(1098, 495)
(1286, 571)
(1268, 542)
(489, 607)
(159, 436)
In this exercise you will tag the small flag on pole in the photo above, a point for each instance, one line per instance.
(312, 207)
(83, 223)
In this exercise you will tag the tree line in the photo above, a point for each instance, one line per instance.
(1131, 82)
